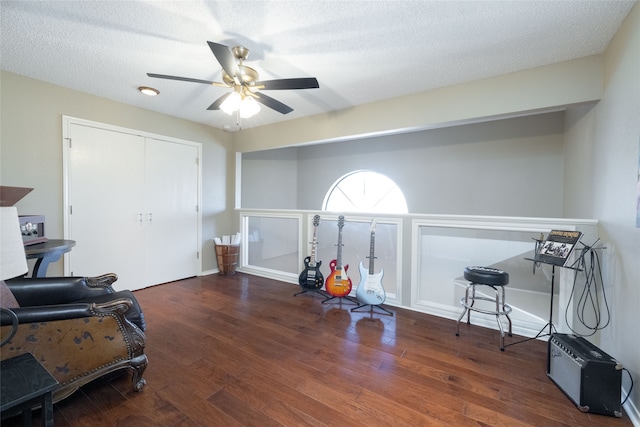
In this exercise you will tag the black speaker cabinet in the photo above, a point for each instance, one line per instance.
(588, 376)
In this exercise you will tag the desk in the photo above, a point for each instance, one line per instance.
(46, 253)
(26, 384)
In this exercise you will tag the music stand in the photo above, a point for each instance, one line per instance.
(544, 254)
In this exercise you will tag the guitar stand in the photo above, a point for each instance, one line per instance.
(314, 291)
(329, 298)
(371, 306)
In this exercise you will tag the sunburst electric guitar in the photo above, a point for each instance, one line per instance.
(370, 290)
(338, 283)
(311, 278)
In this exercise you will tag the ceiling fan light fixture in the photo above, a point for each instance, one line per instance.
(232, 103)
(245, 83)
(149, 91)
(249, 107)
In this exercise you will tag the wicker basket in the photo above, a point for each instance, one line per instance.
(227, 258)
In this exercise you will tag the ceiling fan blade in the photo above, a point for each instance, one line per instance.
(226, 59)
(184, 79)
(218, 102)
(283, 84)
(273, 103)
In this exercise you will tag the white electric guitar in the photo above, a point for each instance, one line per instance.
(370, 290)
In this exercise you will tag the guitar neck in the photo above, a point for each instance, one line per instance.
(371, 252)
(314, 244)
(339, 254)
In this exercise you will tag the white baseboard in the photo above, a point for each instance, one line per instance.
(631, 410)
(209, 272)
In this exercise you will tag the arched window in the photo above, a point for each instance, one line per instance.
(365, 191)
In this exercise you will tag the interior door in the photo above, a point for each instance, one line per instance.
(106, 204)
(171, 215)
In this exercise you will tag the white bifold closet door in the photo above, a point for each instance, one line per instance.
(133, 207)
(171, 228)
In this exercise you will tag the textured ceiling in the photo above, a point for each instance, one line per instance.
(360, 51)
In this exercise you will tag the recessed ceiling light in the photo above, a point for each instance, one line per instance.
(148, 90)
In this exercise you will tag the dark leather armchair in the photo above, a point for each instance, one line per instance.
(79, 328)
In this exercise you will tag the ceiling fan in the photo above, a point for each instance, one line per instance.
(245, 83)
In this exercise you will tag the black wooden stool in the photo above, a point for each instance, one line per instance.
(25, 385)
(490, 278)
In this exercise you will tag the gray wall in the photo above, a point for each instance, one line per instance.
(269, 179)
(602, 176)
(511, 167)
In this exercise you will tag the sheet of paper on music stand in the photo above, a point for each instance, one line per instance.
(557, 247)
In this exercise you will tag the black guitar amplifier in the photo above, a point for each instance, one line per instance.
(588, 376)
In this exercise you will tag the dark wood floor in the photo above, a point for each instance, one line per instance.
(242, 351)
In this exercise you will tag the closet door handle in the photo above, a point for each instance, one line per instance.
(150, 216)
(140, 217)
